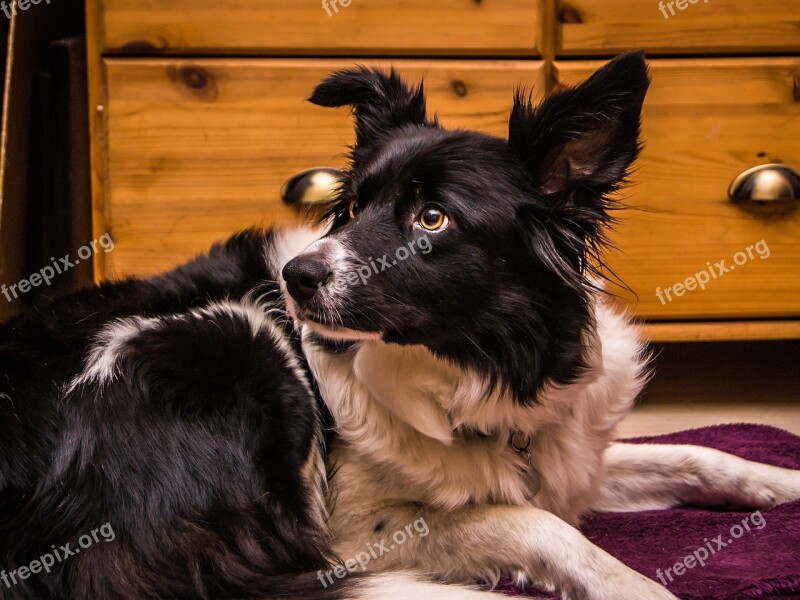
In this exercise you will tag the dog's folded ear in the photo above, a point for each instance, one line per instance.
(581, 141)
(381, 101)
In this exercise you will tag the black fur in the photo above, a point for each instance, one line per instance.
(194, 451)
(505, 289)
(192, 454)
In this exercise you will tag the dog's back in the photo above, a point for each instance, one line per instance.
(158, 438)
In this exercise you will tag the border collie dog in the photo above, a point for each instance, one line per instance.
(474, 382)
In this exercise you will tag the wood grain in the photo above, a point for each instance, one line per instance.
(718, 26)
(98, 131)
(705, 121)
(365, 27)
(722, 330)
(198, 149)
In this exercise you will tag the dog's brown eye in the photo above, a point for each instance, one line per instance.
(433, 219)
(353, 209)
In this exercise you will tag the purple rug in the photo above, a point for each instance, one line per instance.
(761, 563)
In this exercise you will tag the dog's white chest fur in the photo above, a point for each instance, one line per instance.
(415, 427)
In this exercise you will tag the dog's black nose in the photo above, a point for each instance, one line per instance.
(304, 276)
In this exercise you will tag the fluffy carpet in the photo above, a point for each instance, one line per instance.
(761, 563)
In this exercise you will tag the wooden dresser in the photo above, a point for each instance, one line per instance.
(198, 116)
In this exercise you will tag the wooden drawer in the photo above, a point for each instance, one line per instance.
(711, 26)
(364, 27)
(199, 149)
(705, 121)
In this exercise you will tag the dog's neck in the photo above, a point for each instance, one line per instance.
(401, 406)
(447, 436)
(433, 396)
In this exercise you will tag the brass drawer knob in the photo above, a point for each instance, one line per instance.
(318, 185)
(765, 183)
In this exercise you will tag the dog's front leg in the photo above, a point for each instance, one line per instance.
(487, 542)
(654, 476)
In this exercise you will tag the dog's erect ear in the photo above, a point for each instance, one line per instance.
(380, 101)
(581, 141)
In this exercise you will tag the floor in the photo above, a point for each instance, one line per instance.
(709, 383)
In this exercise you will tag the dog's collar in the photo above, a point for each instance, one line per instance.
(520, 441)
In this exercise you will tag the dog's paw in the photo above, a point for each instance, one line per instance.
(623, 583)
(635, 586)
(774, 486)
(790, 489)
(619, 583)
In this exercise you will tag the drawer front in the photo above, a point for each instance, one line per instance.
(197, 150)
(713, 26)
(706, 121)
(345, 27)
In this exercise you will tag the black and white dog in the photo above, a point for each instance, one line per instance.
(451, 321)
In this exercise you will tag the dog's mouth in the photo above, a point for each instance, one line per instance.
(325, 327)
(338, 333)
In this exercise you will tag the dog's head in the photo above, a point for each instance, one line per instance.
(472, 245)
